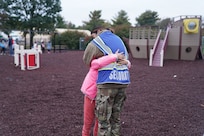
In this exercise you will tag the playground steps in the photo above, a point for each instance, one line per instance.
(157, 57)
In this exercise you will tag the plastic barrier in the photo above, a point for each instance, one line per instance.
(27, 58)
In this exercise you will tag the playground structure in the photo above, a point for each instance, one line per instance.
(180, 41)
(27, 58)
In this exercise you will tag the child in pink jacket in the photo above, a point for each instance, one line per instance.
(89, 88)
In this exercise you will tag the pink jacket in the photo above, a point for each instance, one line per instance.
(89, 87)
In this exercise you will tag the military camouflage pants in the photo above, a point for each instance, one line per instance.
(109, 103)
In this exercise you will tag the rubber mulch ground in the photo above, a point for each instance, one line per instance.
(167, 101)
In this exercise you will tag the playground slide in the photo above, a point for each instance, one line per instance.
(157, 53)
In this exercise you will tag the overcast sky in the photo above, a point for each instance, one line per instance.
(76, 11)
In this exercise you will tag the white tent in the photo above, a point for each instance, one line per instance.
(3, 35)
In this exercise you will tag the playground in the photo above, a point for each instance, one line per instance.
(161, 101)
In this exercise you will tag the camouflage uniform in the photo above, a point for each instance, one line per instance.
(109, 104)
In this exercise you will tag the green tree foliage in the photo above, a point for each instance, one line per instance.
(122, 30)
(68, 38)
(121, 19)
(70, 25)
(3, 23)
(95, 20)
(121, 25)
(164, 23)
(60, 23)
(147, 18)
(31, 15)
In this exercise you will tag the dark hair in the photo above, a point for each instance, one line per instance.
(110, 29)
(95, 29)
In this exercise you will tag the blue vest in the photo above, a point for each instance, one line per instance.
(109, 43)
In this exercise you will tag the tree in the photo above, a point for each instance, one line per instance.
(68, 38)
(95, 20)
(31, 15)
(60, 23)
(70, 25)
(121, 25)
(121, 19)
(122, 30)
(164, 23)
(3, 25)
(147, 18)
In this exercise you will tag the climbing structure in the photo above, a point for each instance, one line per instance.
(181, 40)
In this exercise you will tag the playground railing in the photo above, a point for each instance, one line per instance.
(156, 43)
(152, 51)
(166, 38)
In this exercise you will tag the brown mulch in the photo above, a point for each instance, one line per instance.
(167, 101)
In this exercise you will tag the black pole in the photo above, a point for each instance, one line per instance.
(54, 41)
